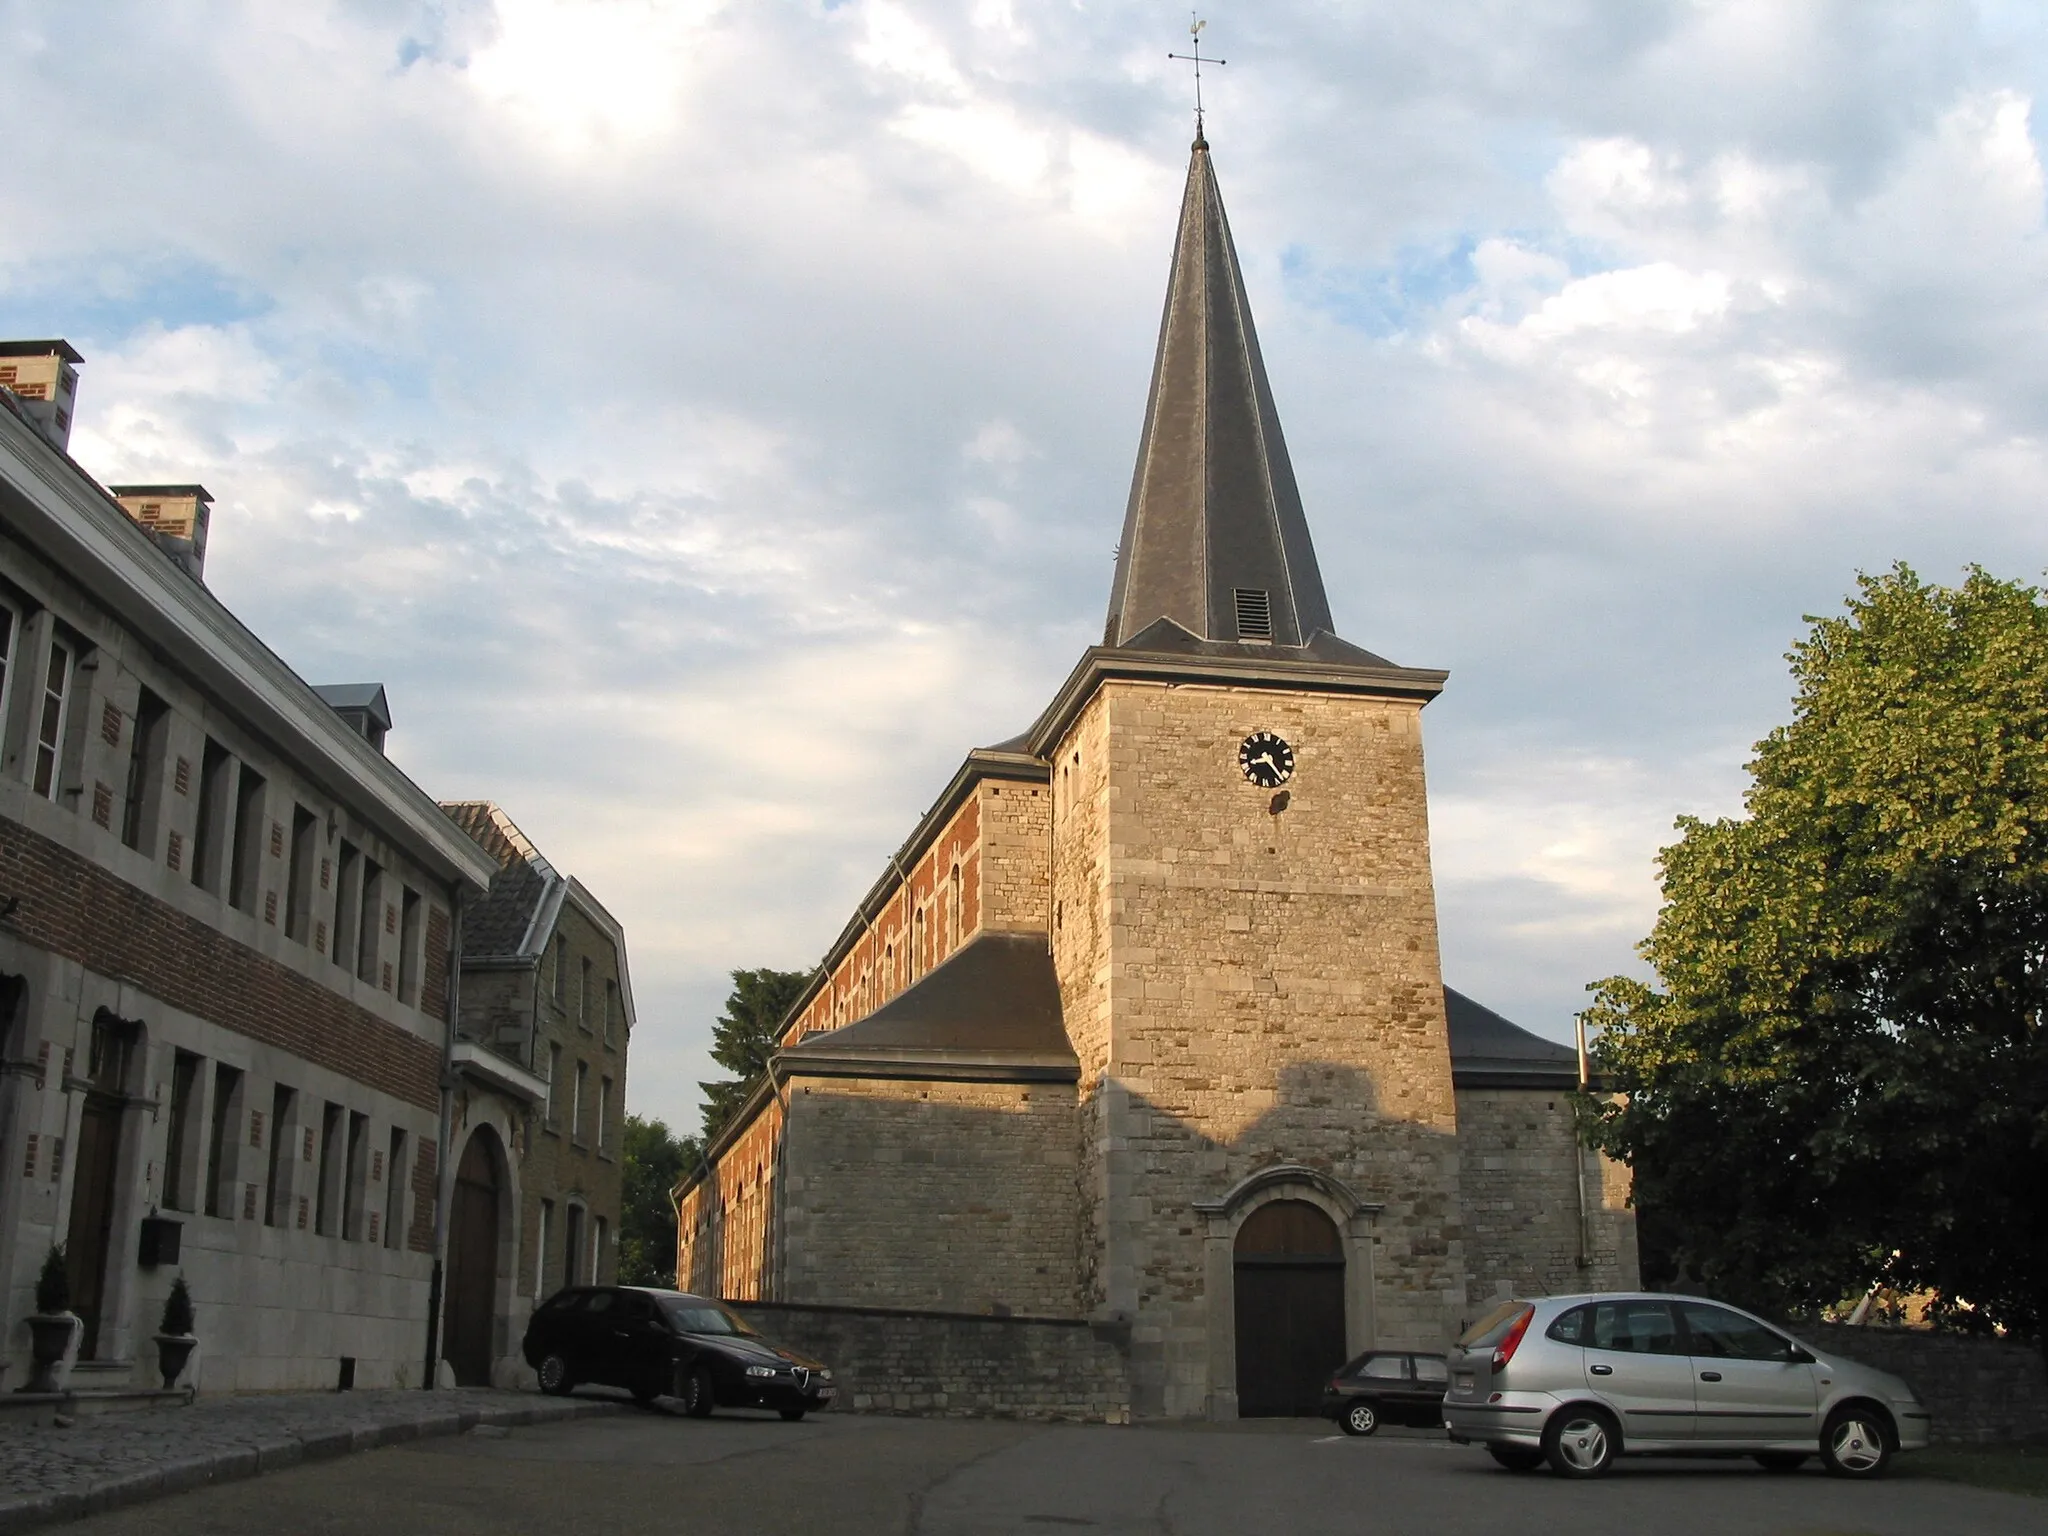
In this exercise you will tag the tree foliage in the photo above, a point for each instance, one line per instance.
(744, 1038)
(652, 1161)
(1841, 1074)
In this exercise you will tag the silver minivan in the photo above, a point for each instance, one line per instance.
(1579, 1380)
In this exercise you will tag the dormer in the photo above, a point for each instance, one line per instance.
(362, 705)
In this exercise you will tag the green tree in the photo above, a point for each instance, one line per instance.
(744, 1038)
(653, 1160)
(1841, 1073)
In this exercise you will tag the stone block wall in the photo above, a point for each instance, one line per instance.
(1982, 1391)
(953, 1365)
(947, 1195)
(1519, 1159)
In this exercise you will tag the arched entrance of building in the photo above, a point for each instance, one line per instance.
(473, 1260)
(1288, 1273)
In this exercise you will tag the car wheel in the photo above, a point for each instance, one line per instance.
(697, 1394)
(1781, 1461)
(555, 1379)
(791, 1415)
(1580, 1442)
(1360, 1419)
(1856, 1443)
(1516, 1458)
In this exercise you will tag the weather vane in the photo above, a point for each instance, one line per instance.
(1195, 25)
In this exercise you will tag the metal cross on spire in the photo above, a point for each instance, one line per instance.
(1195, 26)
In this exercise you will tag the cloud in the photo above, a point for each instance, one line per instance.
(711, 419)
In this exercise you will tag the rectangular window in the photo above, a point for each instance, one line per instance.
(583, 996)
(220, 1159)
(347, 905)
(598, 1228)
(181, 1150)
(561, 972)
(366, 926)
(576, 1104)
(554, 1076)
(145, 772)
(298, 883)
(324, 1201)
(572, 1245)
(409, 946)
(611, 1008)
(394, 1190)
(604, 1109)
(541, 1232)
(356, 1178)
(246, 862)
(277, 1201)
(209, 839)
(50, 723)
(10, 627)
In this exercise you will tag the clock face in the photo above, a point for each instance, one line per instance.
(1266, 760)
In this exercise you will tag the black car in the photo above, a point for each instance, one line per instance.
(1384, 1385)
(668, 1344)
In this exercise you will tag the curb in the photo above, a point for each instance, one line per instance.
(234, 1463)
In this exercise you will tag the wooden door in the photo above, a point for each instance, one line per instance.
(473, 1265)
(1289, 1284)
(91, 1231)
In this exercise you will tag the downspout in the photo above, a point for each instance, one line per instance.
(441, 1169)
(1578, 1150)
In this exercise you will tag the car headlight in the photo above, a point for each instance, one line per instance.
(760, 1370)
(824, 1375)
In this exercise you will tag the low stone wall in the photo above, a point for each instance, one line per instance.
(1979, 1390)
(958, 1365)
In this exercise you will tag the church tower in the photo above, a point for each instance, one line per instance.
(1244, 922)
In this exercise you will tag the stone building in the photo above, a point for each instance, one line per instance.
(226, 925)
(539, 1110)
(1144, 1024)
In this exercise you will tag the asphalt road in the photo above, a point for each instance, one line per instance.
(852, 1475)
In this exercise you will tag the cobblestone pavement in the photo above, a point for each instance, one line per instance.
(49, 1474)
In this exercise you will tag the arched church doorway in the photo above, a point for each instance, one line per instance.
(1288, 1269)
(473, 1261)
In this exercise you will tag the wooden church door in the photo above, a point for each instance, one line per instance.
(1289, 1278)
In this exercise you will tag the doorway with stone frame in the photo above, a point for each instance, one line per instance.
(474, 1231)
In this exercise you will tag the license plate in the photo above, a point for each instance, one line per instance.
(827, 1391)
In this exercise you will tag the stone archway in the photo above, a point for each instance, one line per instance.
(1287, 1274)
(473, 1242)
(1348, 1217)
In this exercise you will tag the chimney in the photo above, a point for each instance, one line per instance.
(175, 516)
(43, 377)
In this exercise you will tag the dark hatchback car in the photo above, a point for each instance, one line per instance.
(1396, 1388)
(668, 1344)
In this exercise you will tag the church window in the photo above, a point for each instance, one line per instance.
(891, 980)
(953, 910)
(1254, 613)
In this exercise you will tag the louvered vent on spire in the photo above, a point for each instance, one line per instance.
(1214, 538)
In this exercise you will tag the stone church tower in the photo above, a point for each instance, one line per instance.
(1144, 1024)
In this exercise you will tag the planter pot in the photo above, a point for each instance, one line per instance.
(50, 1336)
(172, 1351)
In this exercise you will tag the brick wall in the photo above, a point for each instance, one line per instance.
(954, 1196)
(79, 910)
(1519, 1192)
(1979, 1390)
(950, 1365)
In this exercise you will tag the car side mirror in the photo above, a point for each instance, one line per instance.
(1799, 1355)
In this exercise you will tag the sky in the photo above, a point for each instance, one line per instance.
(711, 419)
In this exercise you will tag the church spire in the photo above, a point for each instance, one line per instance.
(1214, 538)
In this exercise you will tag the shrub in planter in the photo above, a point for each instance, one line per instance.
(174, 1339)
(51, 1328)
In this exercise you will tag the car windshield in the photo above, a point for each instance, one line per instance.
(1487, 1331)
(694, 1316)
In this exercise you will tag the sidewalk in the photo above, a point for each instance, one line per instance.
(49, 1475)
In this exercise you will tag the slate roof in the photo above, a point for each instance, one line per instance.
(497, 924)
(1487, 1051)
(368, 697)
(1214, 507)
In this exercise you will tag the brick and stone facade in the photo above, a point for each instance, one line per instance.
(1153, 991)
(224, 970)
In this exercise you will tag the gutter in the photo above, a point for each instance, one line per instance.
(444, 1176)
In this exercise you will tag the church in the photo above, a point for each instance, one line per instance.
(1144, 1024)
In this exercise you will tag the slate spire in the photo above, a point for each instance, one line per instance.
(1214, 538)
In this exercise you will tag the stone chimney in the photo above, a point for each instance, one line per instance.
(43, 376)
(175, 516)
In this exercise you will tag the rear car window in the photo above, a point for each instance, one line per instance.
(1431, 1371)
(1488, 1331)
